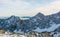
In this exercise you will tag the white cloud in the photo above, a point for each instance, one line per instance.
(15, 3)
(21, 8)
(50, 8)
(7, 7)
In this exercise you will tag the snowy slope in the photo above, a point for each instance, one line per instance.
(52, 28)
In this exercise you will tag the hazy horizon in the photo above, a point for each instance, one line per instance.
(28, 7)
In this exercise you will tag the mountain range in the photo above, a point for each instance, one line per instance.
(38, 23)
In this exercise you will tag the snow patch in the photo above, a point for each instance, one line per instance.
(52, 28)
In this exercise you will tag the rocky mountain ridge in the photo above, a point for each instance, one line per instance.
(39, 23)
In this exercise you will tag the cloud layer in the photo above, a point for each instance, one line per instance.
(30, 8)
(49, 8)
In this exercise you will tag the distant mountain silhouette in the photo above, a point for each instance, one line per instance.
(25, 17)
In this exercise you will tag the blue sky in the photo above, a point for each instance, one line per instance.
(28, 7)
